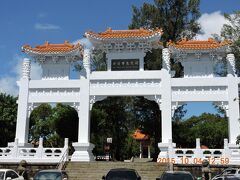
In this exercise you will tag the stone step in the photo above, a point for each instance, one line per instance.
(95, 170)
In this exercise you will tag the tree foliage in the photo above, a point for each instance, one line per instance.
(110, 119)
(177, 18)
(231, 31)
(8, 118)
(53, 124)
(210, 128)
(119, 117)
(41, 124)
(66, 122)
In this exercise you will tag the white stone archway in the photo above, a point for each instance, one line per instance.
(125, 51)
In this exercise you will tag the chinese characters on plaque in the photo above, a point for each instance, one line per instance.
(125, 64)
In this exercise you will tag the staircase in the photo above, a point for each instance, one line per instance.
(95, 170)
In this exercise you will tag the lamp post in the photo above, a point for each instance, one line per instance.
(108, 148)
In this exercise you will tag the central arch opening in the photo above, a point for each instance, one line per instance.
(118, 118)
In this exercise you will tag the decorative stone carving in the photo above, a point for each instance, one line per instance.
(213, 55)
(31, 107)
(223, 105)
(176, 105)
(76, 106)
(26, 68)
(53, 92)
(40, 58)
(86, 58)
(198, 55)
(166, 59)
(221, 90)
(131, 46)
(55, 59)
(94, 99)
(126, 83)
(119, 46)
(231, 64)
(156, 98)
(128, 46)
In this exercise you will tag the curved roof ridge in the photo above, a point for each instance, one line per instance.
(51, 48)
(210, 43)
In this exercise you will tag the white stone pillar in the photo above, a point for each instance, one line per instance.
(14, 151)
(140, 149)
(40, 148)
(149, 152)
(231, 65)
(166, 107)
(83, 148)
(109, 62)
(198, 152)
(233, 109)
(22, 113)
(141, 62)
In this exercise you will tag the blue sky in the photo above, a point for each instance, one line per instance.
(33, 22)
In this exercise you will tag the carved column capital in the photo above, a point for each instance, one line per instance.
(231, 64)
(86, 58)
(26, 68)
(166, 59)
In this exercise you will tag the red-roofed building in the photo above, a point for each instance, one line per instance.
(144, 141)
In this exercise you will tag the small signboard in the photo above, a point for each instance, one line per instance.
(109, 140)
(125, 64)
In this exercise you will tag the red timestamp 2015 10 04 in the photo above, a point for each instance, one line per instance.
(186, 160)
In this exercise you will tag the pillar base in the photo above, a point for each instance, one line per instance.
(83, 152)
(164, 149)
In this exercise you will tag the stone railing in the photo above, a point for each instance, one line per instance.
(229, 155)
(40, 154)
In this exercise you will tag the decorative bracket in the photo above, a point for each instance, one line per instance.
(94, 99)
(156, 98)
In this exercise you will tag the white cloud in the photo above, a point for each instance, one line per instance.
(42, 15)
(36, 71)
(8, 85)
(41, 26)
(211, 23)
(8, 82)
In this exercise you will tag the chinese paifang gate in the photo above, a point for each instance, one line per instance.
(125, 76)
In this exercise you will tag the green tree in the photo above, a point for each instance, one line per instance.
(66, 122)
(177, 18)
(173, 16)
(8, 118)
(41, 123)
(148, 115)
(53, 124)
(210, 128)
(231, 31)
(114, 117)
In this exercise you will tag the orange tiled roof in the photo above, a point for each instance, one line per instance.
(52, 48)
(198, 44)
(119, 34)
(138, 135)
